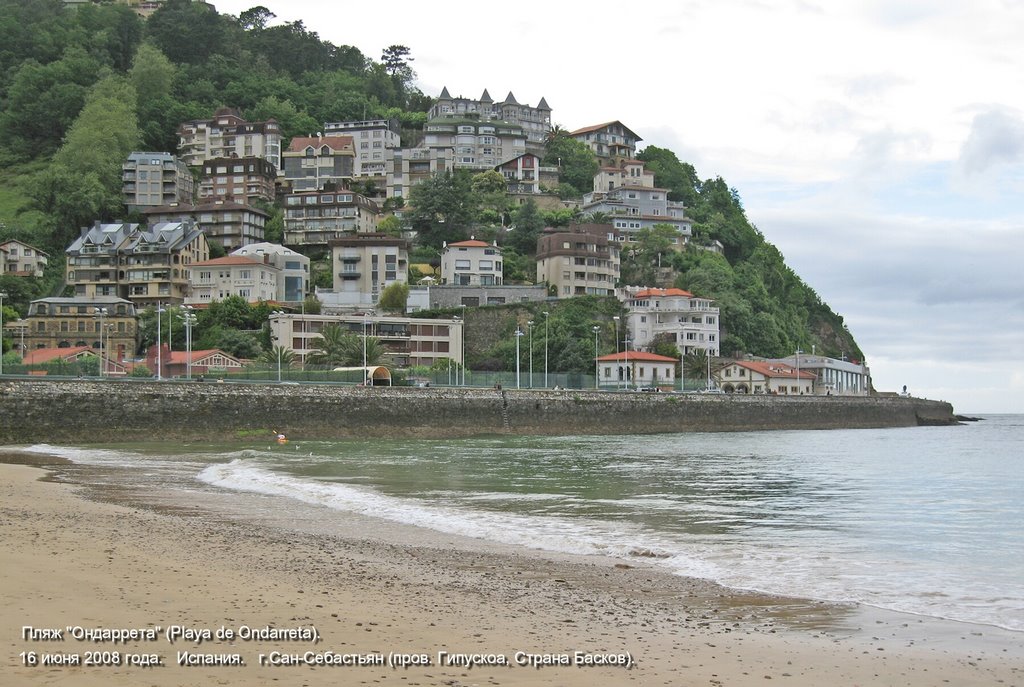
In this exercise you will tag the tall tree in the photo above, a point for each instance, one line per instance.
(443, 208)
(576, 163)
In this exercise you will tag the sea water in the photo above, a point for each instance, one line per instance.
(926, 520)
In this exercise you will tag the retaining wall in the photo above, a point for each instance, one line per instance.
(95, 411)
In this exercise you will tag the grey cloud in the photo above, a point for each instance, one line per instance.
(996, 138)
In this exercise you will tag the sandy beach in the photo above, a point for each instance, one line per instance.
(84, 580)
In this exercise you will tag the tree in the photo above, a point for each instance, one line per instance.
(152, 74)
(396, 62)
(278, 354)
(42, 101)
(176, 19)
(653, 246)
(527, 225)
(695, 363)
(390, 225)
(576, 163)
(255, 18)
(680, 178)
(394, 297)
(337, 348)
(443, 208)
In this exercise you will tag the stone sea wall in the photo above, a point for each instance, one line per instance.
(94, 411)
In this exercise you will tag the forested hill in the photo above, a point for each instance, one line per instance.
(81, 88)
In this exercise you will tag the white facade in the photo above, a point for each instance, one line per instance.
(372, 141)
(756, 377)
(633, 208)
(233, 275)
(363, 266)
(692, 322)
(472, 262)
(833, 376)
(293, 284)
(636, 370)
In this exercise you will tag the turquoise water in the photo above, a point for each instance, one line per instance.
(924, 520)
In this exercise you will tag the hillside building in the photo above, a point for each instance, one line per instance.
(154, 179)
(228, 135)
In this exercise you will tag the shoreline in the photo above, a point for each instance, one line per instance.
(133, 567)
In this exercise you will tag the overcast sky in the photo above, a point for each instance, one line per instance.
(878, 143)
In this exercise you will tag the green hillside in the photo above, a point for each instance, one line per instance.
(82, 88)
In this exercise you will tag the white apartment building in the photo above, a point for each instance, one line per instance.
(232, 275)
(466, 263)
(691, 322)
(372, 141)
(363, 266)
(409, 341)
(293, 282)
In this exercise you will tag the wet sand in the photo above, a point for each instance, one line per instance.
(68, 562)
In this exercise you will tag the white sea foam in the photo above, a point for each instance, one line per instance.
(567, 535)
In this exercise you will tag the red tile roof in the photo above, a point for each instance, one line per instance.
(775, 370)
(45, 355)
(662, 293)
(228, 260)
(472, 243)
(640, 356)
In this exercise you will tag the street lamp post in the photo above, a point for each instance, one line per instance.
(102, 314)
(2, 297)
(159, 342)
(546, 349)
(462, 348)
(519, 334)
(190, 321)
(364, 350)
(463, 306)
(616, 320)
(529, 326)
(597, 365)
(799, 389)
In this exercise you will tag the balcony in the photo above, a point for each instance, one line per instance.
(350, 275)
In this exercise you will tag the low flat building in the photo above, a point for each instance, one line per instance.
(430, 297)
(833, 376)
(756, 377)
(636, 370)
(409, 341)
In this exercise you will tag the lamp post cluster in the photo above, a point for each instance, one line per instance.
(597, 365)
(189, 319)
(519, 335)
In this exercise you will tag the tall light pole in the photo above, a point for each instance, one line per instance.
(529, 326)
(615, 319)
(364, 350)
(798, 389)
(2, 297)
(463, 306)
(102, 314)
(159, 342)
(190, 321)
(546, 313)
(462, 345)
(682, 369)
(597, 365)
(519, 334)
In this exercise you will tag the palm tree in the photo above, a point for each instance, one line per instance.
(337, 348)
(285, 356)
(695, 363)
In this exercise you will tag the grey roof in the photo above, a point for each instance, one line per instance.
(486, 97)
(444, 94)
(510, 99)
(543, 105)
